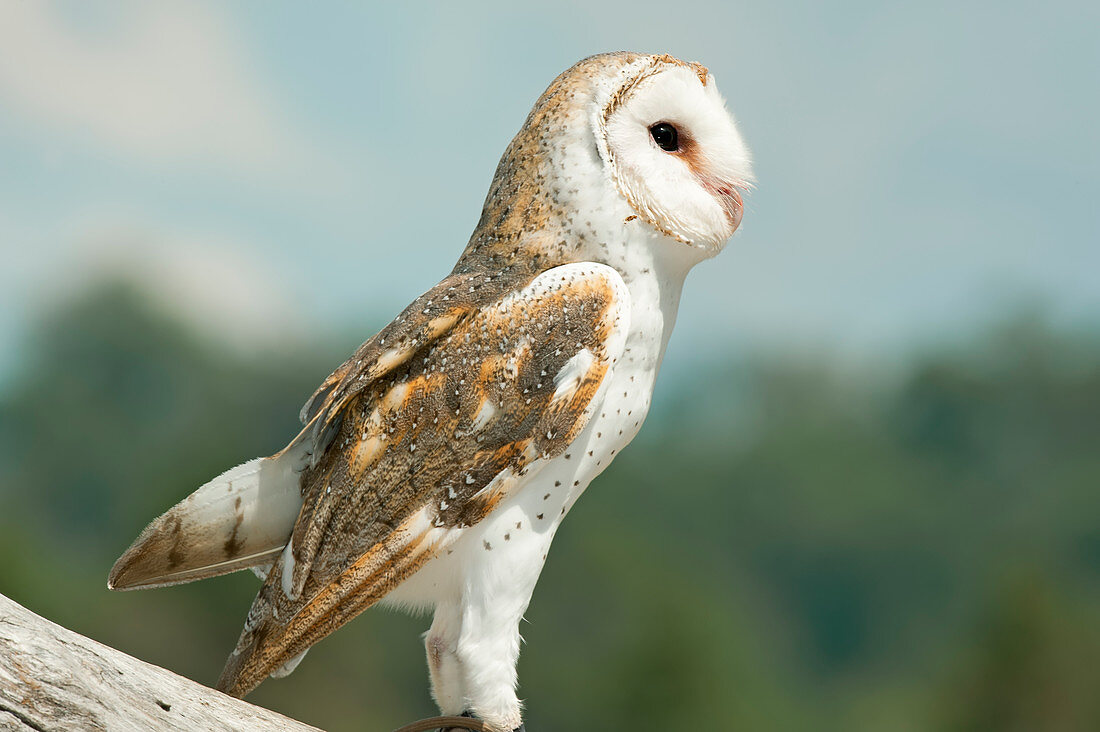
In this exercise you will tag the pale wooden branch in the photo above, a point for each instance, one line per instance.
(54, 679)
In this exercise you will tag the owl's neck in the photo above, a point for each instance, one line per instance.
(652, 266)
(654, 270)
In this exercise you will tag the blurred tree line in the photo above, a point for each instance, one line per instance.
(786, 546)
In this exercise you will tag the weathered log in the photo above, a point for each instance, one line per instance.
(54, 679)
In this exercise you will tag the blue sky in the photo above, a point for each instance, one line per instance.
(275, 169)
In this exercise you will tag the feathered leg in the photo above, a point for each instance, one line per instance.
(488, 648)
(441, 643)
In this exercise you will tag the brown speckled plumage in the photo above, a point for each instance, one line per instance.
(523, 230)
(411, 440)
(523, 226)
(437, 462)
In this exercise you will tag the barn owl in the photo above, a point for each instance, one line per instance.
(436, 464)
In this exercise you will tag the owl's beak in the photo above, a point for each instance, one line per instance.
(729, 197)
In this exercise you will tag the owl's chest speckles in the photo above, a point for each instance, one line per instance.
(616, 418)
(515, 538)
(623, 405)
(619, 418)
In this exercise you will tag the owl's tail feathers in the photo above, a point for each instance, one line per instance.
(240, 520)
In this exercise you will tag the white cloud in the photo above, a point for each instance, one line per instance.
(220, 286)
(165, 83)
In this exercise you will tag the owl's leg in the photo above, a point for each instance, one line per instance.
(488, 648)
(441, 642)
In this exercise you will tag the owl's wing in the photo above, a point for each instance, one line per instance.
(430, 449)
(244, 517)
(421, 323)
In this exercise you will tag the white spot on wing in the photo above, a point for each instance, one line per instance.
(396, 396)
(484, 416)
(388, 359)
(572, 373)
(288, 570)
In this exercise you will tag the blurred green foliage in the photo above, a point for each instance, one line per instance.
(788, 545)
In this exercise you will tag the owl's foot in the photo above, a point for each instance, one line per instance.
(454, 729)
(520, 728)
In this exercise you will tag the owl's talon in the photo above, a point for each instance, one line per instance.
(456, 729)
(521, 728)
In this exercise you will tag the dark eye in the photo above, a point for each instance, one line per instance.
(666, 136)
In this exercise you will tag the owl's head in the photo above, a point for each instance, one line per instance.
(672, 149)
(621, 146)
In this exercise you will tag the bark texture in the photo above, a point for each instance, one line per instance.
(53, 679)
